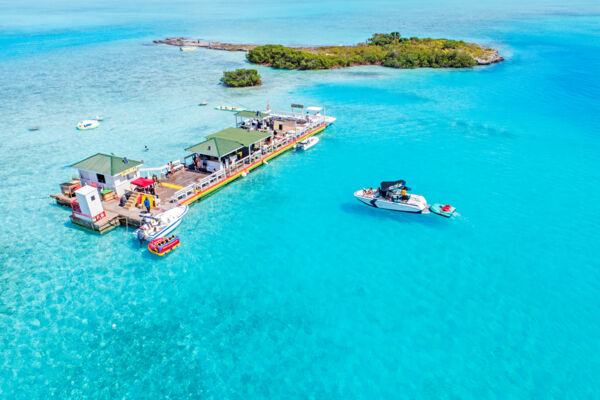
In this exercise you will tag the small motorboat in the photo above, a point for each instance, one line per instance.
(443, 210)
(163, 245)
(34, 128)
(307, 143)
(88, 124)
(227, 108)
(99, 118)
(392, 196)
(161, 225)
(188, 48)
(203, 103)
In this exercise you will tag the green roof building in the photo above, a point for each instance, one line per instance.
(240, 135)
(216, 147)
(108, 172)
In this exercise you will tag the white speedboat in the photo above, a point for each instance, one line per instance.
(188, 48)
(393, 196)
(227, 108)
(87, 124)
(162, 224)
(307, 143)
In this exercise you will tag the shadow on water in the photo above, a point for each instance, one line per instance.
(431, 219)
(478, 129)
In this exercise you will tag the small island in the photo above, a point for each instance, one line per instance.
(241, 78)
(385, 49)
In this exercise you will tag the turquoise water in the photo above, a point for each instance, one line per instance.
(285, 286)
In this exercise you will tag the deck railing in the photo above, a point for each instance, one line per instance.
(159, 171)
(242, 163)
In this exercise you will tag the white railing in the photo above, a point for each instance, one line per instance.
(159, 171)
(240, 164)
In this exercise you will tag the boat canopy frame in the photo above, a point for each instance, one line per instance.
(387, 186)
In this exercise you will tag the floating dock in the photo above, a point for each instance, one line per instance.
(212, 164)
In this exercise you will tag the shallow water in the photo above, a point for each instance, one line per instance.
(285, 286)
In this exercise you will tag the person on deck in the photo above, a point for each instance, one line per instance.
(147, 204)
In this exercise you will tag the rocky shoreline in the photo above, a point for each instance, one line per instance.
(491, 57)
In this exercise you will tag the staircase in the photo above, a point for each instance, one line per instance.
(131, 201)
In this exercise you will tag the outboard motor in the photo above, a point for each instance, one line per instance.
(141, 235)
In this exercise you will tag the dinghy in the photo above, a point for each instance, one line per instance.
(443, 210)
(88, 124)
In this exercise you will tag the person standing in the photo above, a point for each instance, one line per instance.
(147, 204)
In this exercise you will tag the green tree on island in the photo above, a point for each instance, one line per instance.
(241, 78)
(387, 49)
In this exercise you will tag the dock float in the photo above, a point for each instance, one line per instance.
(116, 191)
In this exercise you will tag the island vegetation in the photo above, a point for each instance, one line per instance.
(241, 78)
(387, 49)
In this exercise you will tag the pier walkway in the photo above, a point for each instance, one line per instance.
(186, 185)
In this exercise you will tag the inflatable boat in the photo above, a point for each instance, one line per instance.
(443, 210)
(87, 124)
(162, 246)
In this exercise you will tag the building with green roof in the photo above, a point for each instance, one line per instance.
(216, 147)
(251, 114)
(243, 136)
(242, 116)
(108, 172)
(225, 147)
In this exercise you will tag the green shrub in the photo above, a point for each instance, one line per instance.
(388, 49)
(241, 78)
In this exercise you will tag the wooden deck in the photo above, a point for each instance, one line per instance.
(176, 181)
(186, 186)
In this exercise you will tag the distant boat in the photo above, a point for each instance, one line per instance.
(87, 124)
(227, 108)
(99, 118)
(34, 128)
(203, 103)
(187, 48)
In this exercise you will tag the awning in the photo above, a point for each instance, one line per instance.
(313, 108)
(142, 182)
(243, 136)
(216, 147)
(387, 185)
(251, 114)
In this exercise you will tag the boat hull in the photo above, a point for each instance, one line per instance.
(307, 143)
(166, 229)
(417, 203)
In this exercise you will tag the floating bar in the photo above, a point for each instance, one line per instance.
(111, 190)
